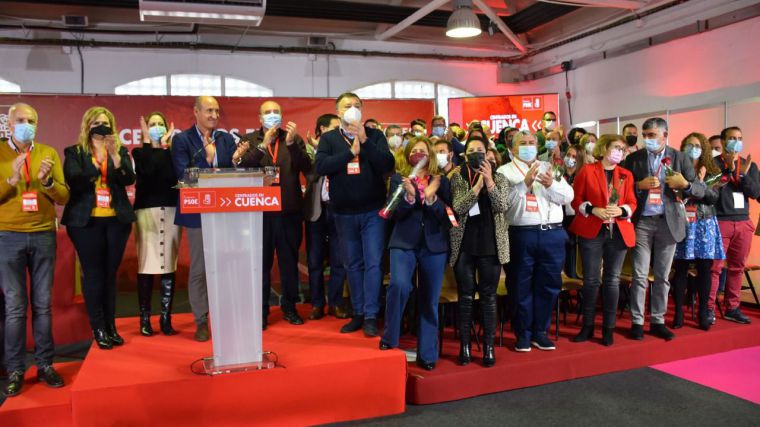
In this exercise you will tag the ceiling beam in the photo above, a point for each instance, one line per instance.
(500, 24)
(620, 4)
(411, 19)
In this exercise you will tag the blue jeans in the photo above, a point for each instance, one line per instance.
(322, 239)
(431, 265)
(35, 253)
(536, 261)
(362, 238)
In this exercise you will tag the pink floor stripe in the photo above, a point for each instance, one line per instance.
(734, 372)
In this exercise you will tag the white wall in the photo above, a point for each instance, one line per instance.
(716, 66)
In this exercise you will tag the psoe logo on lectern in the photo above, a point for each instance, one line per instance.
(191, 198)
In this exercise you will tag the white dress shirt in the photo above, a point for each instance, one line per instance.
(550, 200)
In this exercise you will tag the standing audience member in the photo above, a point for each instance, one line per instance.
(588, 141)
(605, 202)
(631, 134)
(570, 162)
(535, 217)
(322, 237)
(443, 156)
(31, 184)
(736, 227)
(716, 143)
(98, 216)
(548, 124)
(356, 160)
(479, 245)
(285, 151)
(419, 241)
(156, 235)
(201, 146)
(703, 242)
(663, 177)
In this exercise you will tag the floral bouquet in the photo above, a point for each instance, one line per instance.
(717, 180)
(666, 163)
(558, 169)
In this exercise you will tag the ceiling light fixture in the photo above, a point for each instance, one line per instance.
(463, 22)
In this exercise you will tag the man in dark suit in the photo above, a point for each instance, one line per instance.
(664, 177)
(284, 150)
(201, 146)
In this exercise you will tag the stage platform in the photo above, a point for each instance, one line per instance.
(322, 377)
(514, 370)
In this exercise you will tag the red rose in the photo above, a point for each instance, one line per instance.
(559, 162)
(666, 161)
(723, 179)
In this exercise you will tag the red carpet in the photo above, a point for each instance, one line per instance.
(324, 376)
(571, 360)
(40, 405)
(733, 372)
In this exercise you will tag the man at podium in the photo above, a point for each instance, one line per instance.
(284, 150)
(201, 146)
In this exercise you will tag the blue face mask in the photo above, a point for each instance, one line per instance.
(439, 131)
(156, 133)
(272, 120)
(734, 146)
(694, 152)
(527, 153)
(550, 144)
(652, 145)
(24, 132)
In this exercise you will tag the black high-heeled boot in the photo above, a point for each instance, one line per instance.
(607, 339)
(116, 339)
(488, 303)
(144, 293)
(489, 358)
(586, 333)
(465, 320)
(167, 298)
(102, 339)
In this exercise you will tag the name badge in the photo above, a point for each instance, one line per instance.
(353, 166)
(29, 202)
(103, 198)
(738, 200)
(531, 203)
(452, 217)
(655, 197)
(691, 214)
(276, 176)
(475, 210)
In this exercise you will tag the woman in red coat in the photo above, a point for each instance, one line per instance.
(604, 202)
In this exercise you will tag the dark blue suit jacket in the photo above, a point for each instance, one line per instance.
(419, 225)
(187, 152)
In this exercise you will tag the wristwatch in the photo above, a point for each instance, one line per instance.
(49, 184)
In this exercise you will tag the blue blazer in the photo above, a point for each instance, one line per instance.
(187, 152)
(419, 225)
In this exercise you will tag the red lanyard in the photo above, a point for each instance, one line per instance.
(734, 178)
(103, 171)
(471, 176)
(348, 141)
(28, 170)
(276, 150)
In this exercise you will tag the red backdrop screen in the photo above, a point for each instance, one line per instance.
(498, 112)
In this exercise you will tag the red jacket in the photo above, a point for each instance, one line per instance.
(590, 186)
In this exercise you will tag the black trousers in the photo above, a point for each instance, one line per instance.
(488, 270)
(100, 245)
(703, 281)
(282, 234)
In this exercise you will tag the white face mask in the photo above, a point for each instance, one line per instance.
(550, 124)
(352, 115)
(443, 159)
(715, 153)
(394, 141)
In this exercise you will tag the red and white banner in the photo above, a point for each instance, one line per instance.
(230, 199)
(498, 112)
(60, 116)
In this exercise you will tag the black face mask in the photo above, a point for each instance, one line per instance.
(101, 130)
(474, 160)
(631, 140)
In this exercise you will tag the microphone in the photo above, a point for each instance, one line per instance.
(216, 134)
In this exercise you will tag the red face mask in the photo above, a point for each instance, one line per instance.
(415, 158)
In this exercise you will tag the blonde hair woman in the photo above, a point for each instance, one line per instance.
(98, 216)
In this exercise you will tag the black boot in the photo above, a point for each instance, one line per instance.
(586, 333)
(607, 339)
(489, 358)
(144, 292)
(102, 339)
(167, 298)
(465, 320)
(679, 292)
(678, 317)
(116, 339)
